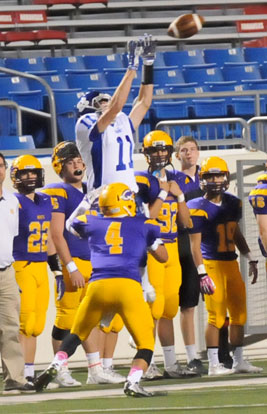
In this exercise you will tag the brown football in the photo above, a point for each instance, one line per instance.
(185, 26)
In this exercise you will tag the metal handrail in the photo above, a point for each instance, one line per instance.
(51, 100)
(14, 105)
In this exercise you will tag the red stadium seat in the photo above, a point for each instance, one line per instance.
(38, 16)
(77, 2)
(256, 9)
(50, 34)
(19, 36)
(7, 17)
(262, 42)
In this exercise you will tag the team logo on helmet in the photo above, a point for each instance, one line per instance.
(117, 200)
(91, 102)
(23, 165)
(210, 167)
(154, 142)
(63, 152)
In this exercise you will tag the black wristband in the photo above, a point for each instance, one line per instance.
(54, 263)
(147, 75)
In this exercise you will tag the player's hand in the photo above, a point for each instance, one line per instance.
(77, 279)
(134, 51)
(60, 286)
(253, 270)
(148, 49)
(207, 286)
(164, 185)
(175, 189)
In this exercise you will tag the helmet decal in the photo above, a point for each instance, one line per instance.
(63, 152)
(117, 200)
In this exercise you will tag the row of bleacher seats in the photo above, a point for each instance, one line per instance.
(164, 59)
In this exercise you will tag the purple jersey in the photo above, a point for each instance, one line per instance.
(258, 200)
(65, 198)
(34, 223)
(217, 223)
(118, 245)
(149, 190)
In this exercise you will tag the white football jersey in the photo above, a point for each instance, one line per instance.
(108, 156)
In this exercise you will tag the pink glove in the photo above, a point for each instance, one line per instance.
(207, 285)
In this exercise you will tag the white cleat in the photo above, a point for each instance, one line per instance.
(152, 373)
(104, 376)
(219, 369)
(246, 367)
(64, 379)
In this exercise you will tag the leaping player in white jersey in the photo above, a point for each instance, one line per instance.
(104, 134)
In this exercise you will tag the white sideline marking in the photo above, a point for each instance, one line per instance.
(118, 392)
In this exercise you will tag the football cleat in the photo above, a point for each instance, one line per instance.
(176, 371)
(196, 365)
(219, 369)
(135, 390)
(64, 379)
(246, 367)
(97, 375)
(152, 373)
(115, 377)
(45, 377)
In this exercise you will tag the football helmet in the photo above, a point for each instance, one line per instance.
(154, 142)
(117, 200)
(63, 152)
(262, 179)
(22, 165)
(90, 102)
(213, 166)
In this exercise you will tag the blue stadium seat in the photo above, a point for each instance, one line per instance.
(220, 56)
(12, 84)
(202, 73)
(165, 77)
(264, 70)
(183, 57)
(16, 142)
(63, 63)
(102, 62)
(241, 71)
(25, 64)
(245, 107)
(56, 81)
(2, 62)
(30, 99)
(84, 81)
(255, 54)
(161, 110)
(210, 108)
(8, 124)
(114, 77)
(223, 86)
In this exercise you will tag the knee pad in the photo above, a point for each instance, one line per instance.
(27, 323)
(145, 354)
(59, 334)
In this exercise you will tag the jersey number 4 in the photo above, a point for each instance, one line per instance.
(113, 238)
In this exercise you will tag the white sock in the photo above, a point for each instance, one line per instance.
(29, 370)
(169, 356)
(213, 356)
(191, 352)
(107, 362)
(135, 375)
(237, 355)
(93, 359)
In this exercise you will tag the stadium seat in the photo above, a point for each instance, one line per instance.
(101, 62)
(241, 71)
(255, 54)
(16, 142)
(165, 77)
(210, 108)
(30, 99)
(114, 77)
(61, 64)
(25, 64)
(183, 57)
(245, 107)
(87, 80)
(56, 81)
(220, 56)
(12, 84)
(202, 73)
(264, 70)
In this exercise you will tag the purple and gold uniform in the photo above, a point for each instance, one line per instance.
(217, 224)
(118, 246)
(164, 277)
(65, 198)
(258, 200)
(30, 254)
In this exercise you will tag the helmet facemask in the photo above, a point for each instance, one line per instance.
(91, 102)
(28, 185)
(154, 159)
(212, 188)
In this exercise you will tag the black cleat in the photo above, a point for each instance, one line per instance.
(14, 387)
(135, 390)
(45, 378)
(196, 365)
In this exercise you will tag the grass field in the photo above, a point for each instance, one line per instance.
(233, 394)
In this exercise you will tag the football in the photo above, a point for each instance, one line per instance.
(185, 26)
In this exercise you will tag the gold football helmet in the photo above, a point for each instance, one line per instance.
(63, 152)
(117, 200)
(154, 142)
(22, 165)
(214, 166)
